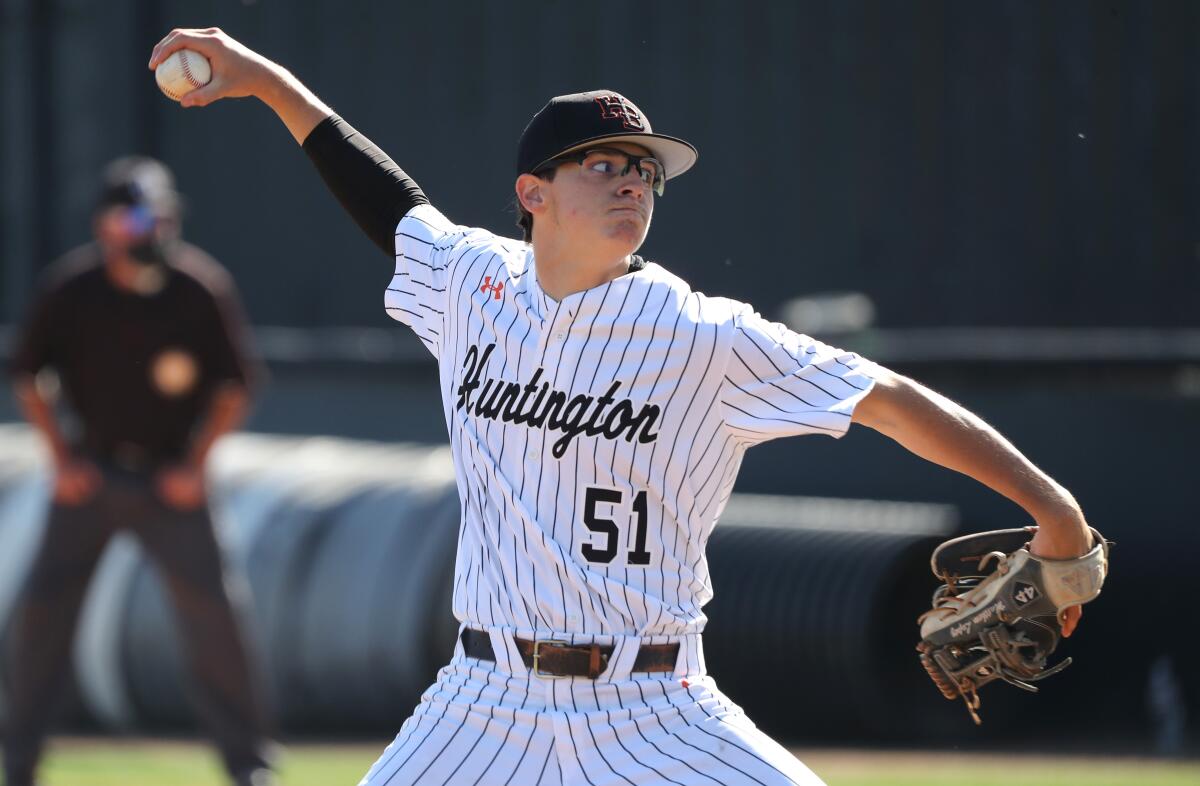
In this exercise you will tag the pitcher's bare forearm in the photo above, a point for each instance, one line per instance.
(296, 105)
(939, 430)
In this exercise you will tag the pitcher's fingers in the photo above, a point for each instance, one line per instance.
(201, 40)
(1069, 617)
(156, 54)
(203, 96)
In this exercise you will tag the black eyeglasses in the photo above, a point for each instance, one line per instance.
(609, 162)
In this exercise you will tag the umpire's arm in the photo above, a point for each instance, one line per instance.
(939, 430)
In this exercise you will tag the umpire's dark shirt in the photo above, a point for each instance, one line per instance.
(137, 371)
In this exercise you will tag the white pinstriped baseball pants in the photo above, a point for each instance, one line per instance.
(495, 724)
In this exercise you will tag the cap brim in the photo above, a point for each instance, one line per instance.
(676, 155)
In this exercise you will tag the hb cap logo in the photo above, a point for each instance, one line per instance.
(614, 107)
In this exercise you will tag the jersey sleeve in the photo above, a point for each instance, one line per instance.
(231, 357)
(40, 339)
(427, 247)
(32, 349)
(780, 383)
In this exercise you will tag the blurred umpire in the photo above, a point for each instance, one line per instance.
(146, 337)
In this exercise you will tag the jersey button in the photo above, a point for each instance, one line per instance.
(558, 337)
(531, 455)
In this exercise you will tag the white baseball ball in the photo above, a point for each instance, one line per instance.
(182, 72)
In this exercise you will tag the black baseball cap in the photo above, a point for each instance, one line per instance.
(139, 181)
(571, 122)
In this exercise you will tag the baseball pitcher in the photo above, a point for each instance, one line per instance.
(598, 410)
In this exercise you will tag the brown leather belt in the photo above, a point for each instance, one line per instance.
(562, 659)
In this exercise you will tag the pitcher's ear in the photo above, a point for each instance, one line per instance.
(531, 193)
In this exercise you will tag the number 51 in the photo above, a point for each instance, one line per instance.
(607, 527)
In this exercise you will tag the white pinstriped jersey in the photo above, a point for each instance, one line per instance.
(597, 438)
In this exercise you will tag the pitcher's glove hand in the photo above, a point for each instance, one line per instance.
(997, 615)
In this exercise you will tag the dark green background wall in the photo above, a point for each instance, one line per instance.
(965, 163)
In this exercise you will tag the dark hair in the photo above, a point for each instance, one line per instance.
(524, 217)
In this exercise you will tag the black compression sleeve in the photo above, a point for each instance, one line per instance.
(373, 189)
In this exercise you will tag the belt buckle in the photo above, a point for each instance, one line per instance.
(537, 644)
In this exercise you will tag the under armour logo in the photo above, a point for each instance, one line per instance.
(615, 107)
(496, 289)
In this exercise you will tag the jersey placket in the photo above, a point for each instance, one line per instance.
(560, 353)
(555, 328)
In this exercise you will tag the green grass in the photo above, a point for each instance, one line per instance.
(98, 762)
(103, 762)
(850, 768)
